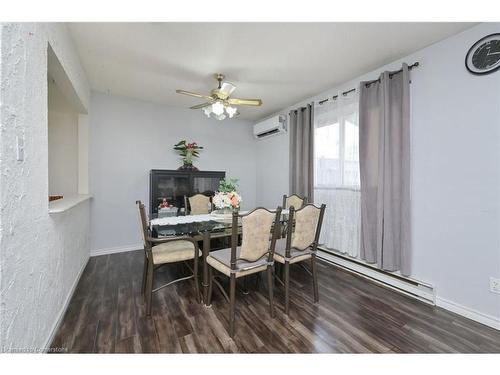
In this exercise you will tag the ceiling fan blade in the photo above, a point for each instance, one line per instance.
(189, 93)
(236, 101)
(202, 105)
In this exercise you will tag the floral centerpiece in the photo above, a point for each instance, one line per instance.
(226, 199)
(188, 151)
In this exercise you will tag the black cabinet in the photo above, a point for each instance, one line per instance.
(172, 185)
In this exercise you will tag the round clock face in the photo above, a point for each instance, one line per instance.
(484, 56)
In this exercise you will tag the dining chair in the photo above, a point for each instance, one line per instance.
(198, 204)
(300, 244)
(161, 251)
(293, 201)
(255, 255)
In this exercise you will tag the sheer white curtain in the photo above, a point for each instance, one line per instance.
(336, 172)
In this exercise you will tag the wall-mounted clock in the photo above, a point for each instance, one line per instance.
(484, 56)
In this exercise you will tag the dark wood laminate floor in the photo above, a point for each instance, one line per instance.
(107, 314)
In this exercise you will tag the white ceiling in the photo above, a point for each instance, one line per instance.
(281, 63)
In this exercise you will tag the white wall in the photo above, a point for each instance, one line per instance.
(272, 169)
(129, 137)
(63, 143)
(41, 255)
(455, 172)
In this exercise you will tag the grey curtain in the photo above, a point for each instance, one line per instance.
(301, 129)
(384, 152)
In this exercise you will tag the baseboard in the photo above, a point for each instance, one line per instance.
(118, 249)
(413, 288)
(469, 313)
(62, 312)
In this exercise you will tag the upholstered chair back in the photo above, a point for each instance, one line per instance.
(199, 204)
(306, 226)
(256, 229)
(295, 201)
(143, 221)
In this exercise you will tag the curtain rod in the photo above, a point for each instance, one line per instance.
(367, 84)
(300, 109)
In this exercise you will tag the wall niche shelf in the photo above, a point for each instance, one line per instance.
(66, 203)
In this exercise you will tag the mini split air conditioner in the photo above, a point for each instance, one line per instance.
(271, 126)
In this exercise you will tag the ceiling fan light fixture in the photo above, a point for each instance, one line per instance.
(219, 104)
(227, 88)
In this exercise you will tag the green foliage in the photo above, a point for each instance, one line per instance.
(228, 185)
(184, 148)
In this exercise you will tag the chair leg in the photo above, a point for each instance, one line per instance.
(286, 281)
(149, 289)
(196, 281)
(232, 292)
(315, 278)
(245, 284)
(270, 287)
(144, 274)
(210, 282)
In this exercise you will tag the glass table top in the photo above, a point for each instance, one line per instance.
(195, 228)
(191, 229)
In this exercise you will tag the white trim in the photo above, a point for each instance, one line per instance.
(118, 249)
(62, 312)
(412, 288)
(374, 267)
(467, 312)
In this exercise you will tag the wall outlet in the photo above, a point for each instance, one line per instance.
(494, 285)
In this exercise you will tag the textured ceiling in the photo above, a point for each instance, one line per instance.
(281, 63)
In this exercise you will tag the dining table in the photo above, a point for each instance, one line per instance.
(202, 228)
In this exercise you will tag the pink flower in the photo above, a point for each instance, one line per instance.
(234, 201)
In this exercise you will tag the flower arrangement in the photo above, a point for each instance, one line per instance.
(226, 198)
(188, 151)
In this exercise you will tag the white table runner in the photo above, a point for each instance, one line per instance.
(173, 220)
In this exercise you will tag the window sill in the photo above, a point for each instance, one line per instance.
(65, 204)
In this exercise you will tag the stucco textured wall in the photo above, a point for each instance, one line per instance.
(41, 255)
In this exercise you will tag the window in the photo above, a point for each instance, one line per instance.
(327, 155)
(336, 147)
(350, 162)
(336, 172)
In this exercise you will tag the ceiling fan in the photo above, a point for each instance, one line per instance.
(219, 104)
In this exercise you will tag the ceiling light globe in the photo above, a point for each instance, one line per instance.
(207, 111)
(230, 111)
(218, 108)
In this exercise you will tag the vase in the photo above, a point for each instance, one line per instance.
(188, 162)
(187, 167)
(227, 211)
